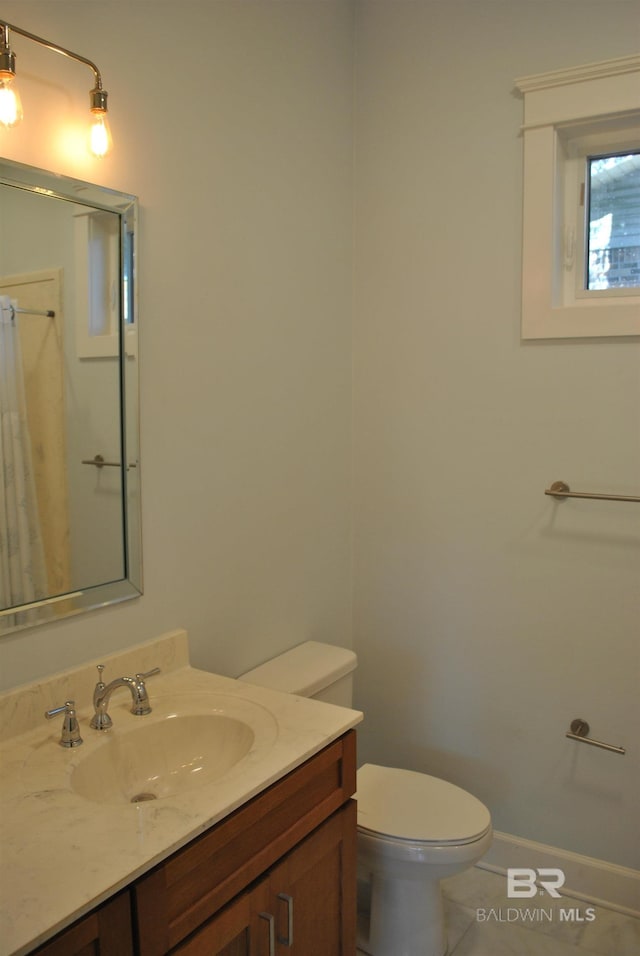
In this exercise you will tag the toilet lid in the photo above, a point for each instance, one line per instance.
(406, 805)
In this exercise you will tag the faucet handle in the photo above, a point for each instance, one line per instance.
(70, 727)
(100, 668)
(66, 708)
(151, 673)
(141, 705)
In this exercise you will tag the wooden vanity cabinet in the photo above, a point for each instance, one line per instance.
(275, 878)
(106, 931)
(298, 909)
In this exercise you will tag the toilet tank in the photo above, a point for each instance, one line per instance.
(312, 669)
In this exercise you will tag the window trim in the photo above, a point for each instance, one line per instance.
(595, 98)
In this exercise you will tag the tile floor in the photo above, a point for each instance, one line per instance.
(511, 928)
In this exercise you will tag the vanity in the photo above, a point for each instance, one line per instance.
(257, 855)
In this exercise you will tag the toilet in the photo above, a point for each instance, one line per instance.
(413, 829)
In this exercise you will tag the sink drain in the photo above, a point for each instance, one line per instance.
(141, 797)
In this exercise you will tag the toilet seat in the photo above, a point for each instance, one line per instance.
(402, 805)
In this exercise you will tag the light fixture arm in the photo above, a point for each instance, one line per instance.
(5, 28)
(11, 108)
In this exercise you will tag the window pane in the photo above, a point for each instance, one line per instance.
(613, 254)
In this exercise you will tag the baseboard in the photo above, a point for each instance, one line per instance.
(596, 881)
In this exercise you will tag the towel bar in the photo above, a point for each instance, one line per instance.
(99, 462)
(560, 489)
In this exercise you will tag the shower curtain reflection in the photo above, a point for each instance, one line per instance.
(23, 577)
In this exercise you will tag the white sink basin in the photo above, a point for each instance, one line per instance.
(162, 758)
(187, 742)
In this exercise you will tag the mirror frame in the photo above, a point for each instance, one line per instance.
(58, 607)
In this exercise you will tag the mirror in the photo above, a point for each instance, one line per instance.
(70, 535)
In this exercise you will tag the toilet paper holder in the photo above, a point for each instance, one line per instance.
(579, 731)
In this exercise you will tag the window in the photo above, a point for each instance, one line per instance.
(612, 203)
(581, 210)
(97, 258)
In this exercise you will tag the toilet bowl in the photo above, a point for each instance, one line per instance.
(413, 829)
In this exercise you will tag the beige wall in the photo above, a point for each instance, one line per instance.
(487, 617)
(243, 169)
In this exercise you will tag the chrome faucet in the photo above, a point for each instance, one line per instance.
(102, 695)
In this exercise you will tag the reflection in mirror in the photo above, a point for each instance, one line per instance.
(69, 450)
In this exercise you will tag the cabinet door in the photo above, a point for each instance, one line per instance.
(313, 891)
(243, 928)
(104, 932)
(305, 906)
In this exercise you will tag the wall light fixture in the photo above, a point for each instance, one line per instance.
(11, 108)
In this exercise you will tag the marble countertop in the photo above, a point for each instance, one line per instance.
(62, 854)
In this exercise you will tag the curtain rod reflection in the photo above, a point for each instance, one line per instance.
(48, 313)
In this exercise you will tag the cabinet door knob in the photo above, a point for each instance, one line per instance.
(288, 939)
(272, 932)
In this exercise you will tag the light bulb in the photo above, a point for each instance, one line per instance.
(100, 141)
(10, 104)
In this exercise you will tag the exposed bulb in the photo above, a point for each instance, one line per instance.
(100, 141)
(10, 103)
